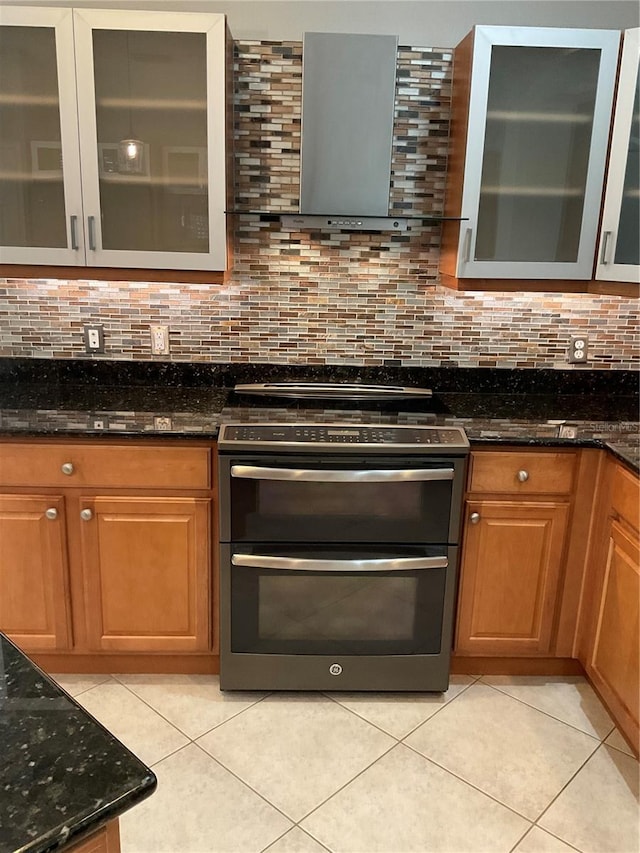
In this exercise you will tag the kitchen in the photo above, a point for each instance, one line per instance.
(364, 306)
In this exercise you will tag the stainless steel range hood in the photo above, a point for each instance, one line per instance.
(348, 100)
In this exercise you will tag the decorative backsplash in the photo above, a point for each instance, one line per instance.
(330, 298)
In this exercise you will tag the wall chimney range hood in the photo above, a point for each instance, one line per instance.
(348, 101)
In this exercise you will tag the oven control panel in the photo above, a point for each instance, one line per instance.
(336, 436)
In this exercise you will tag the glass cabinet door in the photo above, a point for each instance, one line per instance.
(40, 205)
(151, 107)
(541, 103)
(619, 249)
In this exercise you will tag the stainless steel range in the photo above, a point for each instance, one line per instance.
(338, 556)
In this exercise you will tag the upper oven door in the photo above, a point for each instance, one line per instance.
(337, 499)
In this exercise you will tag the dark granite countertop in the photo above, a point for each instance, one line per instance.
(62, 774)
(522, 407)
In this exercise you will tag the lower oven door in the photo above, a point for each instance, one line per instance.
(317, 618)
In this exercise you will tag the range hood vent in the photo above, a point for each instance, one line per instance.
(348, 103)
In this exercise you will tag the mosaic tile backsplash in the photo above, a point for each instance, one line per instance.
(331, 298)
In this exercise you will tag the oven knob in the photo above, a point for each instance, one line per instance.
(335, 669)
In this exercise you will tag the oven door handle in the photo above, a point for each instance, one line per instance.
(294, 564)
(301, 475)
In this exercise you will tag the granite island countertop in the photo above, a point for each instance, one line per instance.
(519, 407)
(62, 774)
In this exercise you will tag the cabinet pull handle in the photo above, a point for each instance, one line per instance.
(86, 515)
(606, 240)
(91, 226)
(51, 513)
(474, 518)
(466, 251)
(74, 232)
(523, 476)
(67, 468)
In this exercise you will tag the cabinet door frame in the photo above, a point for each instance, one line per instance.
(622, 549)
(485, 37)
(55, 576)
(623, 117)
(214, 27)
(555, 513)
(61, 21)
(198, 513)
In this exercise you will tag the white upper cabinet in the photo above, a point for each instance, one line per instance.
(618, 256)
(134, 102)
(539, 111)
(40, 194)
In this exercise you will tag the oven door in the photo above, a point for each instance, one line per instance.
(332, 499)
(312, 618)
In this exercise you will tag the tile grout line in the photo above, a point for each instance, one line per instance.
(342, 787)
(564, 787)
(295, 826)
(470, 784)
(547, 714)
(617, 748)
(86, 690)
(247, 785)
(238, 778)
(360, 772)
(177, 727)
(530, 830)
(169, 754)
(421, 723)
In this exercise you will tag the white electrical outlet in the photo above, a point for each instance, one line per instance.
(578, 347)
(159, 340)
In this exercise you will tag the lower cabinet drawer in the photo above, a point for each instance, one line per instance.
(522, 472)
(108, 466)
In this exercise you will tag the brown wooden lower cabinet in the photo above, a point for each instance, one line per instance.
(614, 659)
(512, 557)
(146, 573)
(610, 627)
(105, 840)
(106, 549)
(34, 582)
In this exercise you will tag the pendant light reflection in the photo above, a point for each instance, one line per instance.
(131, 156)
(130, 150)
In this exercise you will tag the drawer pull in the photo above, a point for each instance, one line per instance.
(67, 468)
(523, 476)
(51, 513)
(86, 515)
(474, 518)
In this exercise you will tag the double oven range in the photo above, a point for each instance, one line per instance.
(338, 555)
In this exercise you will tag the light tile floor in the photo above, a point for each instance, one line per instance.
(530, 765)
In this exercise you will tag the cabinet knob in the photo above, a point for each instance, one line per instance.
(523, 476)
(86, 515)
(474, 518)
(67, 468)
(51, 513)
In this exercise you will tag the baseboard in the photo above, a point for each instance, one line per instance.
(204, 664)
(462, 665)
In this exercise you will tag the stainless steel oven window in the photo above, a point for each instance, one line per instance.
(377, 608)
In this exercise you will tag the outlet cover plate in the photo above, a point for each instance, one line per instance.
(159, 340)
(578, 349)
(93, 337)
